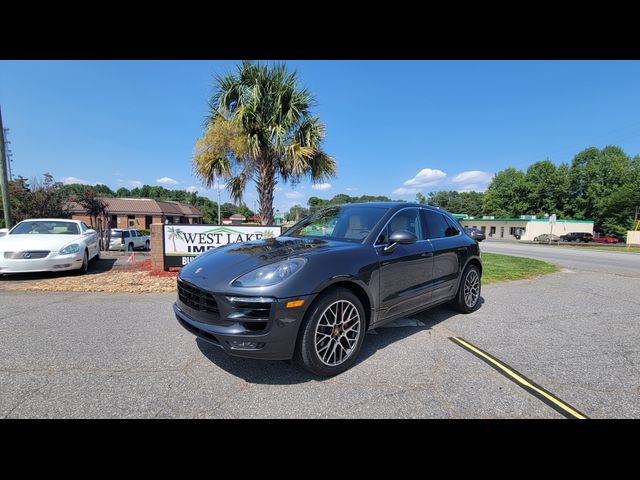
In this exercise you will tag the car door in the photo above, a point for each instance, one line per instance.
(449, 249)
(406, 273)
(91, 240)
(126, 235)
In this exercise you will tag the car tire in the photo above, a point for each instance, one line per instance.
(96, 257)
(316, 349)
(146, 245)
(84, 268)
(467, 298)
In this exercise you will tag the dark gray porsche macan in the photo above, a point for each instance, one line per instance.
(311, 293)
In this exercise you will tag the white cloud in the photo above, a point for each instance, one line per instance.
(191, 189)
(293, 194)
(406, 191)
(473, 177)
(70, 180)
(472, 187)
(130, 183)
(321, 186)
(349, 189)
(425, 177)
(167, 181)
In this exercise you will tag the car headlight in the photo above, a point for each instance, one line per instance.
(270, 274)
(73, 248)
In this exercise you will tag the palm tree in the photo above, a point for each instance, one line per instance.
(173, 234)
(260, 128)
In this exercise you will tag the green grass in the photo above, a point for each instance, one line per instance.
(607, 249)
(593, 247)
(497, 268)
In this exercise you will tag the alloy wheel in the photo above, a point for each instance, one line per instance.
(337, 333)
(471, 288)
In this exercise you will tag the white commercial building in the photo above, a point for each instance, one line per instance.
(526, 228)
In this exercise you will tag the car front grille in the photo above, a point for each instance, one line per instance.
(197, 298)
(27, 255)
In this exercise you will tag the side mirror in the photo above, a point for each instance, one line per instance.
(89, 231)
(399, 237)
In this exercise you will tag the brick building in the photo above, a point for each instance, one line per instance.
(140, 213)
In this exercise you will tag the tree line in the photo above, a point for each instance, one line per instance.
(602, 185)
(599, 185)
(46, 198)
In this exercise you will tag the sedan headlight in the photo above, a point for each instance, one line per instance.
(72, 248)
(270, 274)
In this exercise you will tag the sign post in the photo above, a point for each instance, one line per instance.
(552, 221)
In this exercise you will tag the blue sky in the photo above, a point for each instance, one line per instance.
(394, 127)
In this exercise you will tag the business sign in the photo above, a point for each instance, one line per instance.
(182, 243)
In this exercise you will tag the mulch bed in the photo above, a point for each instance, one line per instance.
(137, 278)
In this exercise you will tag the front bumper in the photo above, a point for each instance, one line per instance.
(51, 263)
(237, 330)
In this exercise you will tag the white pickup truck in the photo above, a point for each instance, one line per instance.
(128, 239)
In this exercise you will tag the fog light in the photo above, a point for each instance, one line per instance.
(245, 345)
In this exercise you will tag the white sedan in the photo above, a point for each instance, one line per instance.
(48, 245)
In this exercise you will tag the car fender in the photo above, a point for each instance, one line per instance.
(350, 279)
(466, 263)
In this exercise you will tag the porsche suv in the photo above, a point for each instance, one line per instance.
(311, 293)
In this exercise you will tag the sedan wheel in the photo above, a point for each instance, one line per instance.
(331, 333)
(85, 264)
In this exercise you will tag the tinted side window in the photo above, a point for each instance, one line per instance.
(436, 224)
(83, 226)
(408, 219)
(454, 228)
(125, 234)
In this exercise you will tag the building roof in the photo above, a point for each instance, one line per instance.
(237, 216)
(145, 206)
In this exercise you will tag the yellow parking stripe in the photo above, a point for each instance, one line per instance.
(559, 405)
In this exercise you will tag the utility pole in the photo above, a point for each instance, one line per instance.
(4, 183)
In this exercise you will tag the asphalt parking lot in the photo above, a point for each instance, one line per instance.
(575, 333)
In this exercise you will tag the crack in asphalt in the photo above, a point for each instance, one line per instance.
(27, 397)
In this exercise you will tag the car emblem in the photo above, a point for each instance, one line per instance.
(198, 270)
(26, 255)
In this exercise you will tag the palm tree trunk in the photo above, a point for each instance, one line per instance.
(266, 186)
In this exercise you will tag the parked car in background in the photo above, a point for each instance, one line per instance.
(313, 292)
(475, 233)
(546, 238)
(128, 239)
(606, 240)
(48, 245)
(577, 237)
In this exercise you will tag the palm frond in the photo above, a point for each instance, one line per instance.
(236, 186)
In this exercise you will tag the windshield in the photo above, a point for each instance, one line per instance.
(46, 228)
(344, 223)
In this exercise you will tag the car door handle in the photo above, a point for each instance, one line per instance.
(427, 254)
